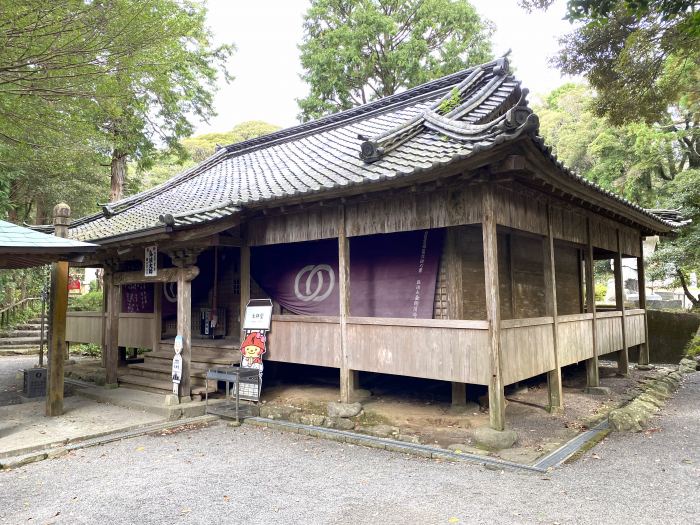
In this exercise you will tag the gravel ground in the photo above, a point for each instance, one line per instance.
(254, 475)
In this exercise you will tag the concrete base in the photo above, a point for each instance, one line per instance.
(597, 390)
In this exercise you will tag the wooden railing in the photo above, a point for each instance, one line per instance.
(8, 314)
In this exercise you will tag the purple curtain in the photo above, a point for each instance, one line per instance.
(391, 275)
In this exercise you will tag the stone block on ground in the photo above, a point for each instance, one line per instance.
(522, 455)
(315, 420)
(343, 409)
(490, 439)
(597, 390)
(340, 423)
(686, 365)
(172, 399)
(277, 412)
(383, 431)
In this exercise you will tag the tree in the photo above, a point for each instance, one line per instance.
(86, 85)
(641, 56)
(355, 51)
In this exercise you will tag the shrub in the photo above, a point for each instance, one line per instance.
(600, 291)
(90, 349)
(90, 302)
(692, 349)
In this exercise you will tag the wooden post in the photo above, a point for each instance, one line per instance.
(348, 378)
(245, 280)
(592, 374)
(112, 332)
(106, 280)
(493, 310)
(641, 283)
(554, 386)
(622, 355)
(58, 312)
(455, 298)
(184, 329)
(157, 315)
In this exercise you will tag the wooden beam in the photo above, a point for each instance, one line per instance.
(348, 378)
(165, 275)
(184, 329)
(592, 373)
(244, 281)
(493, 310)
(644, 347)
(157, 315)
(622, 355)
(455, 297)
(554, 385)
(112, 331)
(57, 340)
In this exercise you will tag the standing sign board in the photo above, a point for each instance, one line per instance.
(150, 261)
(177, 365)
(256, 325)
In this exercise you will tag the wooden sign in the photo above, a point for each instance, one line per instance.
(258, 315)
(150, 261)
(137, 298)
(177, 365)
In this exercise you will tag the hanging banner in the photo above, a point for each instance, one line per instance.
(150, 261)
(391, 275)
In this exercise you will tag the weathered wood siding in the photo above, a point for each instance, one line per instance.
(307, 340)
(608, 332)
(568, 273)
(434, 349)
(635, 330)
(84, 327)
(575, 336)
(136, 330)
(527, 348)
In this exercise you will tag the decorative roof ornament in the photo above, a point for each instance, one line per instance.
(455, 114)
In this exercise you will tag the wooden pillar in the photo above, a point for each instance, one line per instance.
(622, 355)
(592, 375)
(244, 279)
(112, 331)
(455, 298)
(184, 329)
(58, 312)
(106, 279)
(493, 310)
(644, 347)
(348, 378)
(554, 386)
(157, 315)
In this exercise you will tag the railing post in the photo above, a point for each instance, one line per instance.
(348, 378)
(59, 307)
(622, 355)
(592, 373)
(643, 360)
(493, 310)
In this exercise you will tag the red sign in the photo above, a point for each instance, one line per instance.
(73, 284)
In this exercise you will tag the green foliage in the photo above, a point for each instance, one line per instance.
(355, 51)
(600, 291)
(451, 103)
(86, 349)
(89, 302)
(82, 83)
(692, 349)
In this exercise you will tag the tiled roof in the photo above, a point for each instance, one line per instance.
(431, 125)
(21, 247)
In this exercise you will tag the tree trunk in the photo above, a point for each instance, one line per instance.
(118, 175)
(694, 300)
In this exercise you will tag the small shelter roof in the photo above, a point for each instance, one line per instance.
(22, 247)
(430, 126)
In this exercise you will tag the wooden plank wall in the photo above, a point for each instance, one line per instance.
(527, 348)
(306, 340)
(434, 349)
(575, 336)
(635, 329)
(136, 330)
(608, 332)
(84, 327)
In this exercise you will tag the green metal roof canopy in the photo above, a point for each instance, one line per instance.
(22, 248)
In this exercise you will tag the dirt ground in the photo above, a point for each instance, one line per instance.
(422, 409)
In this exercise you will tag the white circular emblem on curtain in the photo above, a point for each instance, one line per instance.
(314, 278)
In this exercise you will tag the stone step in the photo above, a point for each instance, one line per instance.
(21, 333)
(221, 359)
(149, 384)
(163, 372)
(20, 341)
(166, 364)
(31, 326)
(20, 350)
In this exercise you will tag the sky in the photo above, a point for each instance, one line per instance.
(266, 64)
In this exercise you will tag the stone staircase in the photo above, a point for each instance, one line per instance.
(24, 339)
(154, 374)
